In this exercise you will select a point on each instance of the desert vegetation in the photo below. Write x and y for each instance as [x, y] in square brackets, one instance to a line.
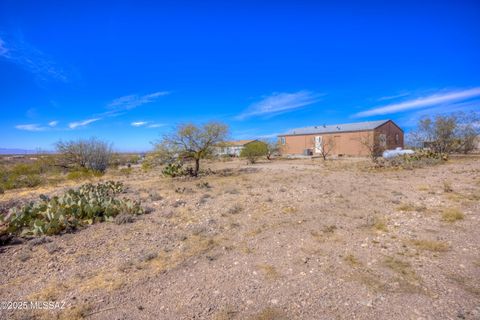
[260, 236]
[255, 150]
[216, 238]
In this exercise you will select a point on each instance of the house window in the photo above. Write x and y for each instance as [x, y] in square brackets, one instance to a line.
[397, 138]
[382, 138]
[282, 140]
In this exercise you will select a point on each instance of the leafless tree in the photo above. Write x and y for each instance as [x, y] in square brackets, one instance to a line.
[273, 147]
[90, 154]
[328, 144]
[372, 142]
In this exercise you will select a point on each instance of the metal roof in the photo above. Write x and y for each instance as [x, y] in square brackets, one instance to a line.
[345, 127]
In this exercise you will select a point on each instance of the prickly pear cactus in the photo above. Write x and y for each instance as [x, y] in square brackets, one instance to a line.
[90, 203]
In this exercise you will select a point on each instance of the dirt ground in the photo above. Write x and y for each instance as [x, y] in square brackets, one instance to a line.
[288, 239]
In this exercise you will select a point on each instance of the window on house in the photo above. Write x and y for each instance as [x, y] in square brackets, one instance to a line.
[382, 138]
[397, 138]
[282, 140]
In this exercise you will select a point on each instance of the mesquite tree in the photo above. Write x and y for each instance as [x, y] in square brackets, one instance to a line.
[189, 141]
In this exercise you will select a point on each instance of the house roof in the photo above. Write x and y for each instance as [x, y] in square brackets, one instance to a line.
[238, 142]
[345, 127]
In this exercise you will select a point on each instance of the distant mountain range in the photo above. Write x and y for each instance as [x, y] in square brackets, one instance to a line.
[21, 151]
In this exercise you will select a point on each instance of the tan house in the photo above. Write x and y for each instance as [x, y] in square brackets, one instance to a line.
[350, 139]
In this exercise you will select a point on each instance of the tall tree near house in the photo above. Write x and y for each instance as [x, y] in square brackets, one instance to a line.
[273, 147]
[373, 144]
[328, 144]
[189, 141]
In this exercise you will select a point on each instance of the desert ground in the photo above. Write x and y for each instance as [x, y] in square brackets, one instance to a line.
[286, 239]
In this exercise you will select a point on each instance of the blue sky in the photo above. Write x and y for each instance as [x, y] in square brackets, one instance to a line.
[128, 71]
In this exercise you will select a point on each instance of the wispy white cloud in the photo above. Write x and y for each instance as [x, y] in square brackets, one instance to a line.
[155, 125]
[74, 125]
[18, 51]
[138, 123]
[277, 103]
[146, 124]
[133, 101]
[30, 127]
[422, 102]
[36, 127]
[3, 48]
[120, 105]
[400, 95]
[411, 119]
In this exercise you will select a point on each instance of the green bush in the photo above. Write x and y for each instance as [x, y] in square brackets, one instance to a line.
[23, 175]
[254, 150]
[86, 205]
[83, 174]
[20, 176]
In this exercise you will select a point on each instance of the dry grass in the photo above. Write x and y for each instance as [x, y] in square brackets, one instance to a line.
[76, 312]
[452, 215]
[289, 209]
[469, 285]
[410, 207]
[352, 260]
[370, 280]
[380, 224]
[269, 271]
[324, 231]
[467, 197]
[402, 268]
[193, 246]
[423, 187]
[227, 313]
[269, 314]
[406, 207]
[431, 245]
[447, 187]
[105, 281]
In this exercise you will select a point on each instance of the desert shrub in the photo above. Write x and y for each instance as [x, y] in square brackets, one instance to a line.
[204, 185]
[135, 159]
[421, 158]
[147, 165]
[452, 215]
[83, 174]
[126, 171]
[123, 218]
[236, 208]
[254, 150]
[26, 169]
[447, 187]
[92, 154]
[23, 175]
[88, 204]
